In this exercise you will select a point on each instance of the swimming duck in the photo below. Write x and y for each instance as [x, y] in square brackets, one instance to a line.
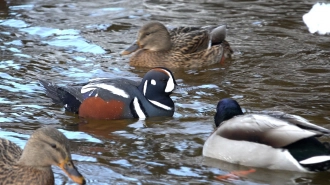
[181, 47]
[118, 98]
[277, 141]
[47, 146]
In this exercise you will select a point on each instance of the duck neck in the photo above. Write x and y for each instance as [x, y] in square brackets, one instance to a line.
[161, 100]
[33, 157]
[164, 102]
[166, 45]
[162, 44]
[222, 116]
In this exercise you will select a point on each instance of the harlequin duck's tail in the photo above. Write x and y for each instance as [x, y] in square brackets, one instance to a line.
[64, 96]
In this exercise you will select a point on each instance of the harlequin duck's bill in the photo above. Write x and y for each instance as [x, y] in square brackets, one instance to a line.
[272, 140]
[132, 48]
[118, 98]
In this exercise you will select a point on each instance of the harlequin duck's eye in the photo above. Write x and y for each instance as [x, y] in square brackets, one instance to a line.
[153, 82]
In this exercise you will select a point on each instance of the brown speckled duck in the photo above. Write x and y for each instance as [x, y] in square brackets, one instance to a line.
[47, 146]
[181, 47]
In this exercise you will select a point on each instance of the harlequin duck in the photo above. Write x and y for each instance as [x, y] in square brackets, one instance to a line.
[118, 98]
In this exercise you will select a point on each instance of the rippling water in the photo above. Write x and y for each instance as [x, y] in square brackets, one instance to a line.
[277, 65]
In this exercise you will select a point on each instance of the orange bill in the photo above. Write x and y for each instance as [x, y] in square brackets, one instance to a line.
[68, 167]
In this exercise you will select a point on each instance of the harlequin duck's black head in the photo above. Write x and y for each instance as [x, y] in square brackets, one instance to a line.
[157, 84]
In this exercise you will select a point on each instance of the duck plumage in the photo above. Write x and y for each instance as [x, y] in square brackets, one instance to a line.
[277, 141]
[181, 47]
[46, 146]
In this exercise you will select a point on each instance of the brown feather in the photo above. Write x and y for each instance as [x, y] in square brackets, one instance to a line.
[39, 154]
[182, 47]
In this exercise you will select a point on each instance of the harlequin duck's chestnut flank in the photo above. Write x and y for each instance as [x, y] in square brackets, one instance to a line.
[181, 47]
[118, 98]
[47, 146]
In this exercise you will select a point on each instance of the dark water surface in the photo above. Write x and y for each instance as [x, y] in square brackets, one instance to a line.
[277, 65]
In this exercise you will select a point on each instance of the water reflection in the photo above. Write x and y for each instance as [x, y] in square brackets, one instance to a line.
[277, 65]
[3, 9]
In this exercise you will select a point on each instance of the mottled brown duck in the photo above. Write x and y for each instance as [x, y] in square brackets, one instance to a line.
[181, 47]
[47, 146]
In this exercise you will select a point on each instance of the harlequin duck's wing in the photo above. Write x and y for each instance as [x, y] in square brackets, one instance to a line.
[115, 80]
[107, 90]
[69, 96]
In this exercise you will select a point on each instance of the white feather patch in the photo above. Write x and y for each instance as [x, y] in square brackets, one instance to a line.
[160, 105]
[316, 159]
[153, 82]
[170, 83]
[145, 87]
[210, 44]
[138, 109]
[111, 88]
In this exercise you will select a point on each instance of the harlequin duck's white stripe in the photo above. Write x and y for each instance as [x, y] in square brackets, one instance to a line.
[145, 87]
[316, 159]
[97, 79]
[170, 83]
[153, 82]
[110, 88]
[88, 89]
[160, 105]
[138, 109]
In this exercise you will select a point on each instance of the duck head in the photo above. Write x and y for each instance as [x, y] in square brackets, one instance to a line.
[226, 109]
[47, 146]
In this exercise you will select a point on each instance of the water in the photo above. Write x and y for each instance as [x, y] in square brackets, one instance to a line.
[277, 65]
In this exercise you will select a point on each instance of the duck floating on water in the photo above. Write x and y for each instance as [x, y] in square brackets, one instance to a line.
[278, 141]
[118, 98]
[181, 47]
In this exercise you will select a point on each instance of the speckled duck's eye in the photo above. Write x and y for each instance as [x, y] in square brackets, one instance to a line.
[53, 146]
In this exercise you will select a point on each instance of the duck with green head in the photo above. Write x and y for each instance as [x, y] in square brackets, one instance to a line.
[47, 146]
[276, 141]
[181, 47]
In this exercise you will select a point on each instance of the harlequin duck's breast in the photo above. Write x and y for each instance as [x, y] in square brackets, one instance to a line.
[153, 110]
